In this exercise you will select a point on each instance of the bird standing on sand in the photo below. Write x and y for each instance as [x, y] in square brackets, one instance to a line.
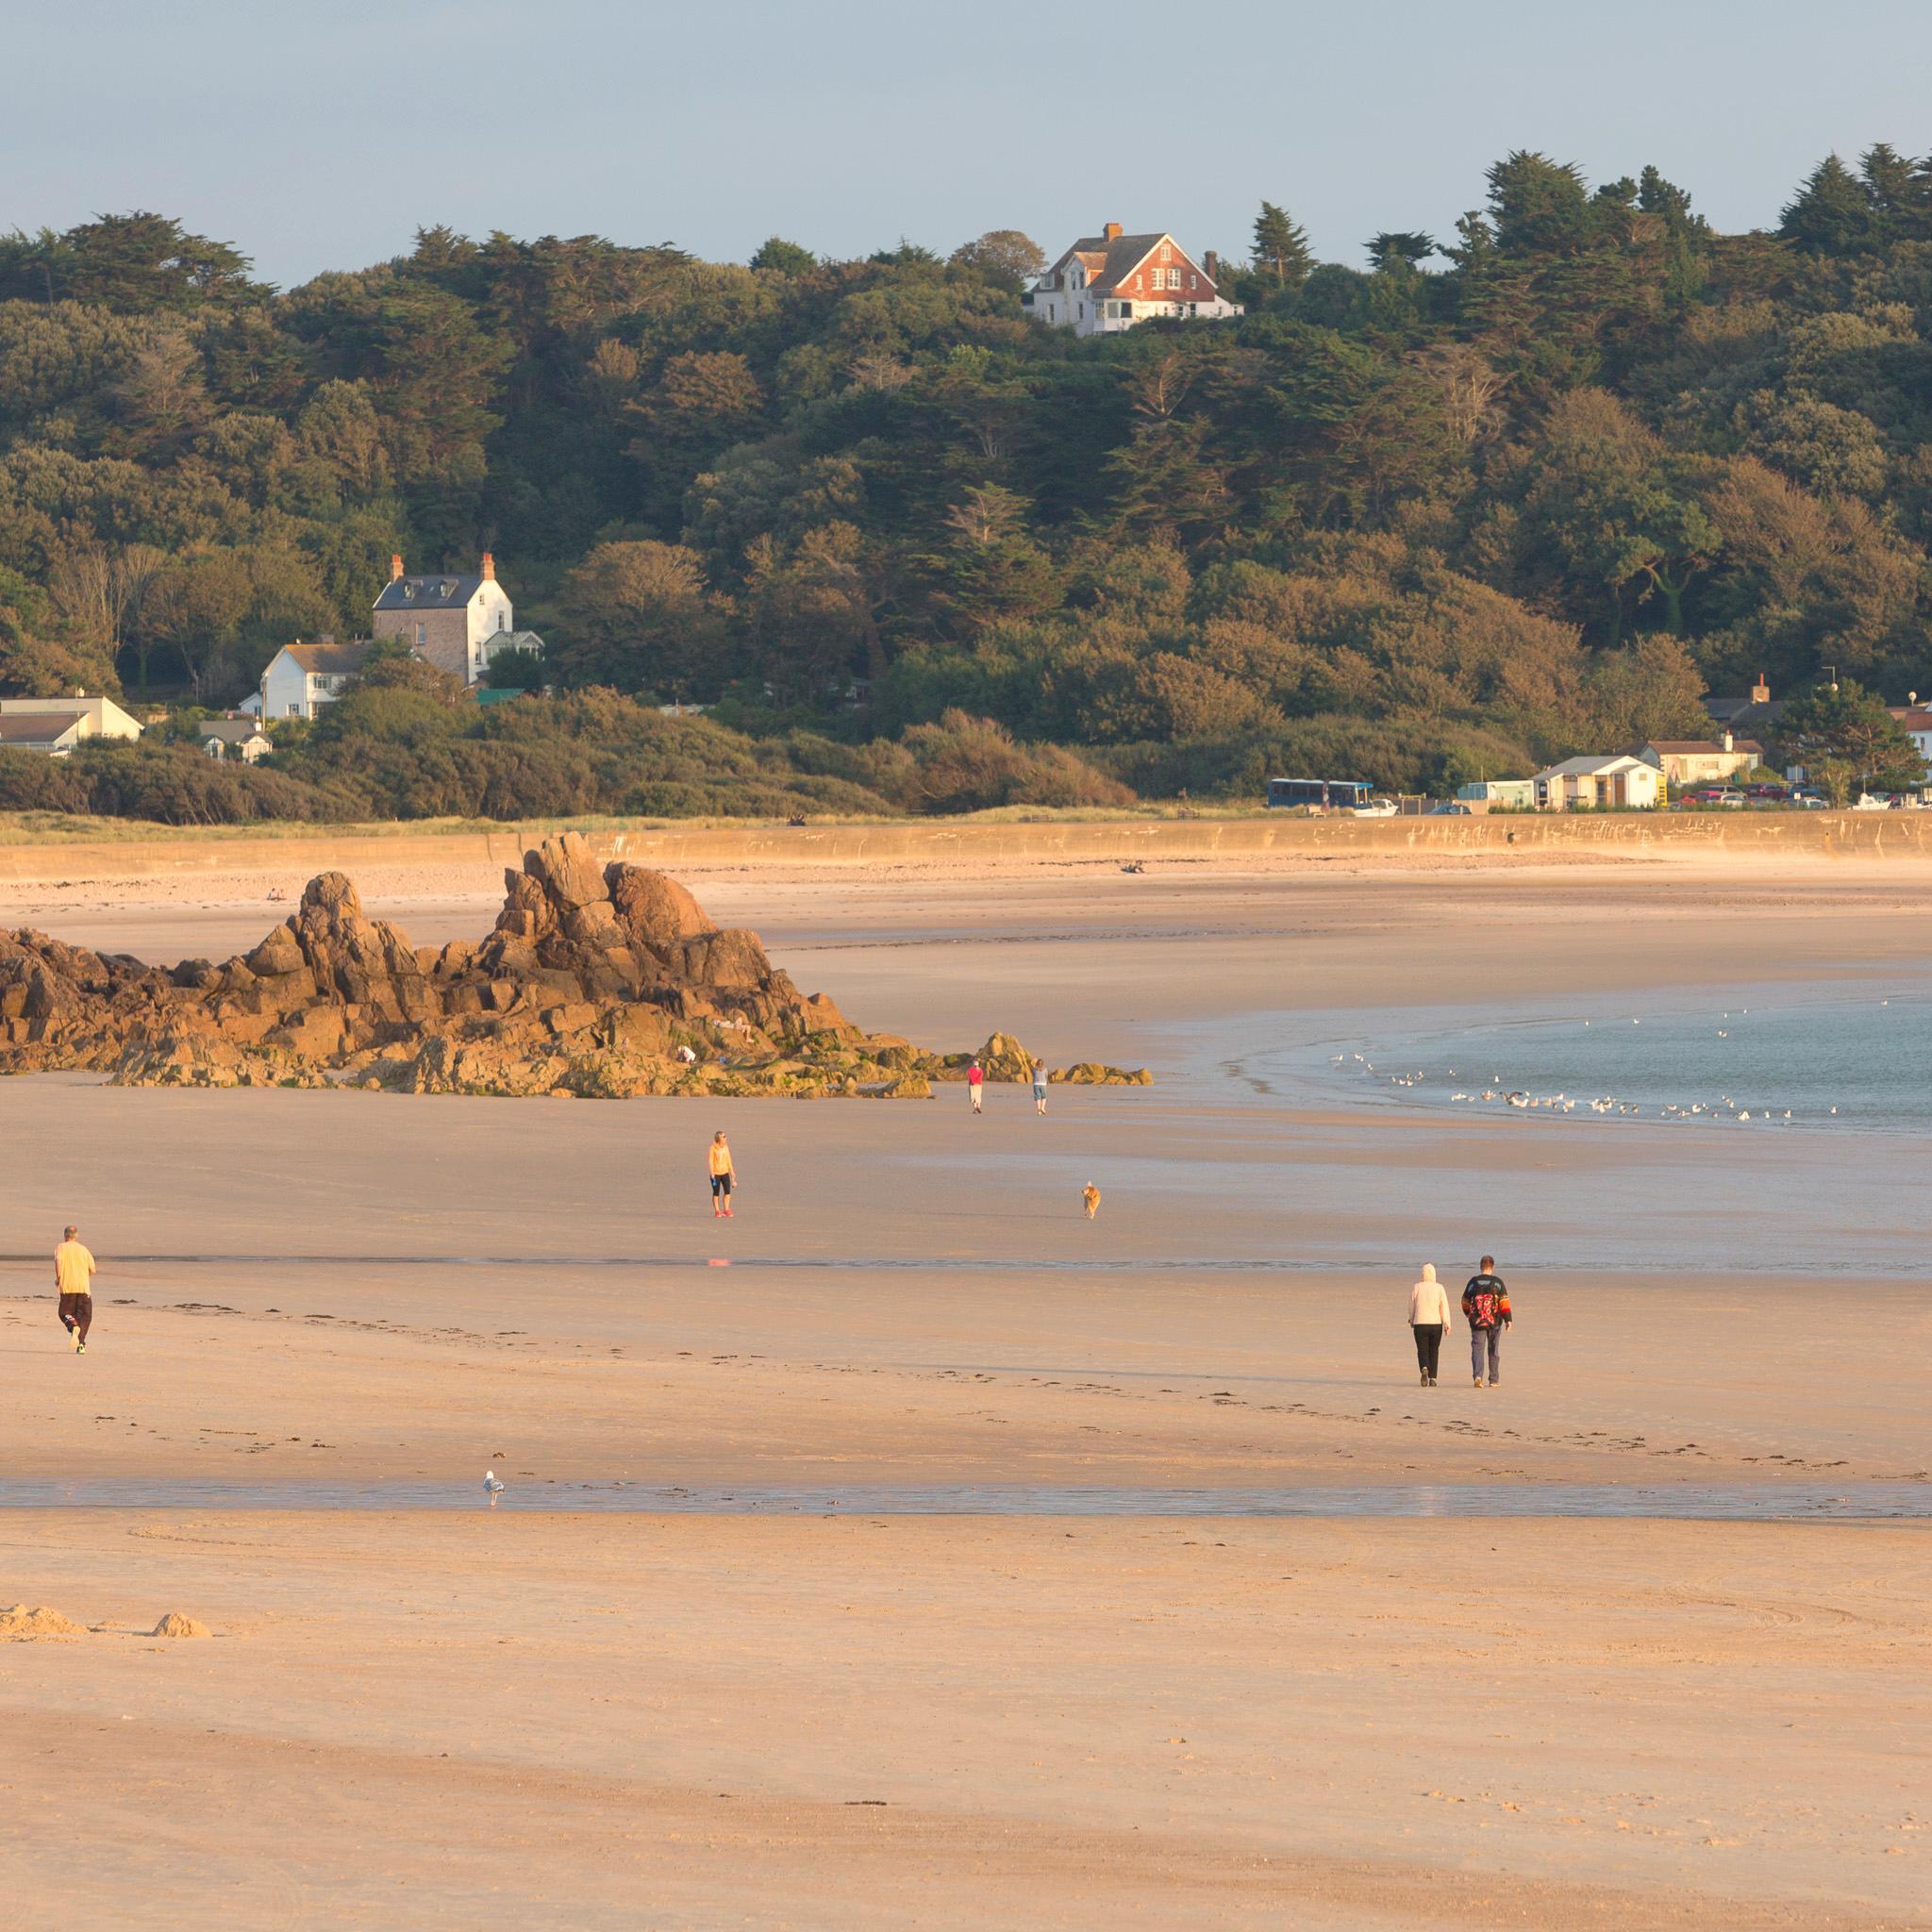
[1090, 1195]
[493, 1486]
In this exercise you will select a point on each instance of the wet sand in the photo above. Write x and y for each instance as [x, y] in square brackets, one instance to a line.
[463, 1716]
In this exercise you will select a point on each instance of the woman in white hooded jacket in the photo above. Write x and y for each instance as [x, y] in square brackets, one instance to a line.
[1428, 1319]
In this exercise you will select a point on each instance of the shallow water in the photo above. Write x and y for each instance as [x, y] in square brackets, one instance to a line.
[1701, 1502]
[1804, 1062]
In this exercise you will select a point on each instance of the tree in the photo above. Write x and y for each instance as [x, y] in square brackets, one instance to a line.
[993, 568]
[1846, 721]
[1281, 247]
[1831, 214]
[1397, 248]
[133, 263]
[1002, 254]
[784, 257]
[636, 616]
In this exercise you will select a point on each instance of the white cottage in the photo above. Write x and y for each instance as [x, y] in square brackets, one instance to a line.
[1598, 784]
[302, 678]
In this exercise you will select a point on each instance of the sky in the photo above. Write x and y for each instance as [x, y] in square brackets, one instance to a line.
[321, 137]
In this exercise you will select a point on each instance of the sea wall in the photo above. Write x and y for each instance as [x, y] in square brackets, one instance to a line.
[122, 851]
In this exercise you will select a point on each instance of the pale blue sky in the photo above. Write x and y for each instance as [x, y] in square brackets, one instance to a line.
[321, 136]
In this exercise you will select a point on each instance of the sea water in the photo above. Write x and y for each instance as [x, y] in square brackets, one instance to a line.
[1820, 1062]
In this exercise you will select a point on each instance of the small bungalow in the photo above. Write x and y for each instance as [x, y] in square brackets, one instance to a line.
[1498, 794]
[1599, 784]
[235, 738]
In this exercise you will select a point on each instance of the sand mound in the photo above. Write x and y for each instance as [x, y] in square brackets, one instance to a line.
[175, 1625]
[23, 1623]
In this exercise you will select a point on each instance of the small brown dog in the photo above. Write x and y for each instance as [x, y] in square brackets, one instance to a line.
[1090, 1194]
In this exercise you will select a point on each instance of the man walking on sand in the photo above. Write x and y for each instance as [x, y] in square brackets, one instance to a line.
[1486, 1308]
[1040, 1086]
[724, 1175]
[74, 1273]
[975, 1083]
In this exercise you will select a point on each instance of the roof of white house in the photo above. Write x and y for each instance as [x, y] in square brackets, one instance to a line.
[1701, 747]
[330, 659]
[1594, 767]
[38, 727]
[444, 591]
[231, 730]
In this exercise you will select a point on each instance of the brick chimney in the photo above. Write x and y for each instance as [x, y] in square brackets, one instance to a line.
[396, 569]
[1760, 691]
[1112, 231]
[488, 568]
[1210, 261]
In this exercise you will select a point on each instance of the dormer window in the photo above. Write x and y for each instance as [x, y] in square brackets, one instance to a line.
[408, 590]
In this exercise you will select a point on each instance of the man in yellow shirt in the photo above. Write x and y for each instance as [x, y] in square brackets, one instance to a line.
[74, 1281]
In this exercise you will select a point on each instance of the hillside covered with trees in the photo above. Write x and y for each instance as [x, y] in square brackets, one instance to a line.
[1507, 494]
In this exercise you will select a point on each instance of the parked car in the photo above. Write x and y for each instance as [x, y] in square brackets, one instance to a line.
[1453, 809]
[1376, 808]
[1775, 792]
[1807, 801]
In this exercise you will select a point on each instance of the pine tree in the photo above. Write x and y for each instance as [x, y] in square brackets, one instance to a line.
[1281, 247]
[1832, 213]
[1397, 248]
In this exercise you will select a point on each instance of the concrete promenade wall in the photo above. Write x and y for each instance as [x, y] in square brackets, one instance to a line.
[77, 853]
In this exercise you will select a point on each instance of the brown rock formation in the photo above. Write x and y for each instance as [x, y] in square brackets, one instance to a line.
[597, 983]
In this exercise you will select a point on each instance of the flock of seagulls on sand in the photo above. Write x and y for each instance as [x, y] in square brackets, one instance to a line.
[1725, 1108]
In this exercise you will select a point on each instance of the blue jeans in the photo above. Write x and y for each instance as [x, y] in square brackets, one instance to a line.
[1485, 1342]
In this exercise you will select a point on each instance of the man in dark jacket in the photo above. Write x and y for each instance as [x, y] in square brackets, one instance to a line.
[1486, 1308]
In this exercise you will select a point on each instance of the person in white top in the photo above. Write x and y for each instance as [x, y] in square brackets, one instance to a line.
[1428, 1319]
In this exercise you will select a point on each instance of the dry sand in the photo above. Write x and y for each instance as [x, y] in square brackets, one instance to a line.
[459, 1716]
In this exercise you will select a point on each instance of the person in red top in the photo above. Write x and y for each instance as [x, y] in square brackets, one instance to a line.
[975, 1083]
[1486, 1308]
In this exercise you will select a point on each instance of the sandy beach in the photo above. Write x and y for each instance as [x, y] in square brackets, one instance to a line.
[912, 1550]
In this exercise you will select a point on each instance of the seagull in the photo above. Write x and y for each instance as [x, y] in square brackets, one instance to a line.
[1721, 1033]
[491, 1483]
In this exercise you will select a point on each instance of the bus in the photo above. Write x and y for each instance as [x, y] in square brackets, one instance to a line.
[1319, 794]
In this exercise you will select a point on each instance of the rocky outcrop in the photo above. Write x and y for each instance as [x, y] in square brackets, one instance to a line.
[594, 983]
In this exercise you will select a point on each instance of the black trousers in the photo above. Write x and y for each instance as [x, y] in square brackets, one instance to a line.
[1429, 1345]
[77, 1313]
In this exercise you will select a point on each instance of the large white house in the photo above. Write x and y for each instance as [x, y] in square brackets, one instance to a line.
[452, 620]
[1107, 282]
[56, 725]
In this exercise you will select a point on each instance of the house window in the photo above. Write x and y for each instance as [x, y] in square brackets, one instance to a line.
[422, 635]
[502, 618]
[1166, 253]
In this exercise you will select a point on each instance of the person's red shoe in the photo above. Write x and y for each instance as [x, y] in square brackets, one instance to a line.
[727, 1214]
